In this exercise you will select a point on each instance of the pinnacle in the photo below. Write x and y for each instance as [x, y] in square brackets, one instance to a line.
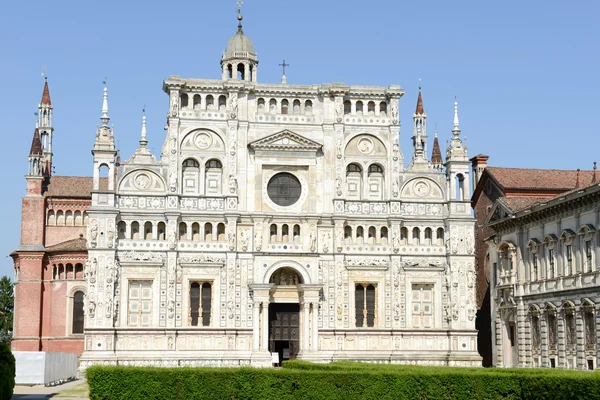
[36, 144]
[46, 95]
[420, 110]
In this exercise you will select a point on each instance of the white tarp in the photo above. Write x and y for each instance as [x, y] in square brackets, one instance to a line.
[44, 368]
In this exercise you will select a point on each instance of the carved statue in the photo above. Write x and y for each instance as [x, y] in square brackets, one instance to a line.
[338, 185]
[174, 104]
[326, 241]
[394, 111]
[339, 148]
[111, 237]
[91, 305]
[173, 181]
[313, 241]
[244, 239]
[396, 241]
[233, 185]
[233, 104]
[395, 188]
[172, 240]
[173, 145]
[89, 272]
[109, 308]
[339, 109]
[231, 238]
[93, 233]
[258, 239]
[395, 151]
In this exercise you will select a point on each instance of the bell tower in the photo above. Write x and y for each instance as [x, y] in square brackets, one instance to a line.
[239, 60]
[45, 128]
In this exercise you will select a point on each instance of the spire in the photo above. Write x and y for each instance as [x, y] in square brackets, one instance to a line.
[46, 93]
[105, 118]
[594, 179]
[240, 30]
[143, 141]
[577, 183]
[420, 133]
[36, 143]
[456, 130]
[419, 110]
[436, 153]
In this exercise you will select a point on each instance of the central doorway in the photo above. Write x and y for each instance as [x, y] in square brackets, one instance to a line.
[284, 330]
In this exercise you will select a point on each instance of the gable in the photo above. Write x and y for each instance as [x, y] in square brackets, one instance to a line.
[498, 212]
[285, 141]
[142, 181]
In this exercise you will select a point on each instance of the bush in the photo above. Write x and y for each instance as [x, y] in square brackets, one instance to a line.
[340, 380]
[7, 372]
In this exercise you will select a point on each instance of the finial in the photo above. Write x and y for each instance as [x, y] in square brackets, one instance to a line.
[577, 181]
[105, 118]
[240, 17]
[420, 86]
[594, 179]
[44, 73]
[435, 130]
[456, 130]
[143, 142]
[283, 78]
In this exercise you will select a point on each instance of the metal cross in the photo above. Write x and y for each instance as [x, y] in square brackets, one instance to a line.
[104, 81]
[144, 109]
[284, 65]
[44, 73]
[239, 4]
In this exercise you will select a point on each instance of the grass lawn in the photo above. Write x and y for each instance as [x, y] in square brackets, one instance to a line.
[79, 391]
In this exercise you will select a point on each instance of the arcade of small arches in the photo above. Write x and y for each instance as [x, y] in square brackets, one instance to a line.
[202, 102]
[141, 230]
[284, 106]
[360, 108]
[242, 71]
[280, 233]
[66, 218]
[67, 271]
[355, 234]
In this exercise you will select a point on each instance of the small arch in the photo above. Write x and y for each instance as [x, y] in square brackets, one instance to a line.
[148, 231]
[404, 236]
[184, 100]
[460, 187]
[162, 231]
[285, 106]
[241, 72]
[78, 218]
[347, 107]
[285, 233]
[182, 231]
[273, 233]
[416, 236]
[60, 218]
[222, 103]
[69, 271]
[221, 232]
[61, 271]
[308, 107]
[51, 218]
[195, 232]
[286, 276]
[69, 218]
[78, 271]
[348, 234]
[383, 109]
[359, 108]
[208, 233]
[372, 235]
[210, 102]
[272, 106]
[135, 230]
[261, 105]
[229, 71]
[371, 108]
[360, 235]
[197, 102]
[214, 177]
[121, 229]
[296, 233]
[296, 107]
[354, 182]
[86, 219]
[384, 235]
[439, 236]
[428, 236]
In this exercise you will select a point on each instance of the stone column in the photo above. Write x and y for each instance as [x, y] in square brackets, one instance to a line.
[256, 327]
[521, 335]
[265, 326]
[562, 341]
[544, 342]
[315, 326]
[127, 230]
[580, 345]
[305, 325]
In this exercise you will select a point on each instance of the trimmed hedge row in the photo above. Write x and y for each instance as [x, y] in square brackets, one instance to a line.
[339, 381]
[7, 372]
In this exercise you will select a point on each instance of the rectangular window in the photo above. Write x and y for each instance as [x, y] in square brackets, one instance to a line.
[78, 316]
[569, 257]
[422, 306]
[534, 265]
[140, 303]
[589, 259]
[512, 333]
[552, 331]
[551, 263]
[200, 303]
[364, 303]
[535, 332]
[495, 268]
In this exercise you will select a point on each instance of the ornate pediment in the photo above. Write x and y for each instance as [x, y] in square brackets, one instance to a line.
[285, 141]
[498, 213]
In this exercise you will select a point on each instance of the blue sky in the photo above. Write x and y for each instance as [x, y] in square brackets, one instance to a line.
[525, 72]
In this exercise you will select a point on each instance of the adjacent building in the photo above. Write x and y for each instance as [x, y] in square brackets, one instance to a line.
[279, 219]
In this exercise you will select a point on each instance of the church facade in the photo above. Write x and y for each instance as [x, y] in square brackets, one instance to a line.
[278, 220]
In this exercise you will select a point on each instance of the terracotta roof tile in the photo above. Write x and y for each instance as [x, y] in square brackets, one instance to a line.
[36, 144]
[46, 95]
[436, 154]
[518, 203]
[419, 110]
[78, 244]
[538, 179]
[72, 186]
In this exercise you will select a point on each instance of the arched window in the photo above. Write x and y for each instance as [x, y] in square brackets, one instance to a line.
[383, 109]
[78, 218]
[371, 108]
[197, 102]
[241, 72]
[460, 187]
[261, 105]
[360, 235]
[214, 176]
[229, 71]
[552, 327]
[148, 231]
[428, 236]
[184, 100]
[589, 324]
[208, 232]
[195, 232]
[69, 218]
[51, 218]
[285, 233]
[61, 271]
[221, 232]
[222, 103]
[296, 107]
[162, 229]
[440, 236]
[60, 218]
[372, 235]
[354, 182]
[272, 106]
[200, 303]
[347, 107]
[191, 176]
[78, 317]
[273, 233]
[285, 106]
[210, 102]
[404, 235]
[296, 233]
[384, 235]
[364, 305]
[135, 230]
[375, 182]
[182, 231]
[536, 337]
[348, 234]
[308, 107]
[570, 330]
[416, 236]
[359, 108]
[78, 271]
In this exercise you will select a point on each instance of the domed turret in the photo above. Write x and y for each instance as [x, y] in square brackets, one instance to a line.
[239, 60]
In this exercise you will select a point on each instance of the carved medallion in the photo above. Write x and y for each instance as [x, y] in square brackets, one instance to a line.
[203, 140]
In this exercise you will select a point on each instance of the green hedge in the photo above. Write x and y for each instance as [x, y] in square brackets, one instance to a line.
[299, 380]
[7, 372]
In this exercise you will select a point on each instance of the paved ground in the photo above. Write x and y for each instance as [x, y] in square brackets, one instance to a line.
[40, 392]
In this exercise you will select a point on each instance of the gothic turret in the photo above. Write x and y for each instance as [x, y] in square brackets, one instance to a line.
[420, 130]
[457, 164]
[142, 155]
[436, 154]
[35, 154]
[46, 129]
[239, 61]
[104, 149]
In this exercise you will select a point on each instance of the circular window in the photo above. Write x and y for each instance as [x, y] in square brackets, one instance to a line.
[284, 189]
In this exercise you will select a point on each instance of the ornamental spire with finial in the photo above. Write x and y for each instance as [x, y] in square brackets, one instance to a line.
[240, 17]
[456, 130]
[105, 118]
[143, 141]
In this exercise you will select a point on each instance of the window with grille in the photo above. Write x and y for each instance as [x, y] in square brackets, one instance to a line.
[364, 298]
[534, 266]
[78, 317]
[590, 326]
[200, 303]
[140, 303]
[535, 332]
[569, 258]
[422, 306]
[589, 258]
[284, 189]
[552, 331]
[570, 333]
[551, 263]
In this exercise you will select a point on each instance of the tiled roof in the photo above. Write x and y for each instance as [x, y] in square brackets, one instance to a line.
[46, 95]
[436, 154]
[419, 110]
[36, 144]
[72, 186]
[518, 203]
[78, 244]
[538, 179]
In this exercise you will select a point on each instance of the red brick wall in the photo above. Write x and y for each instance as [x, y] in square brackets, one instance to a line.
[59, 234]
